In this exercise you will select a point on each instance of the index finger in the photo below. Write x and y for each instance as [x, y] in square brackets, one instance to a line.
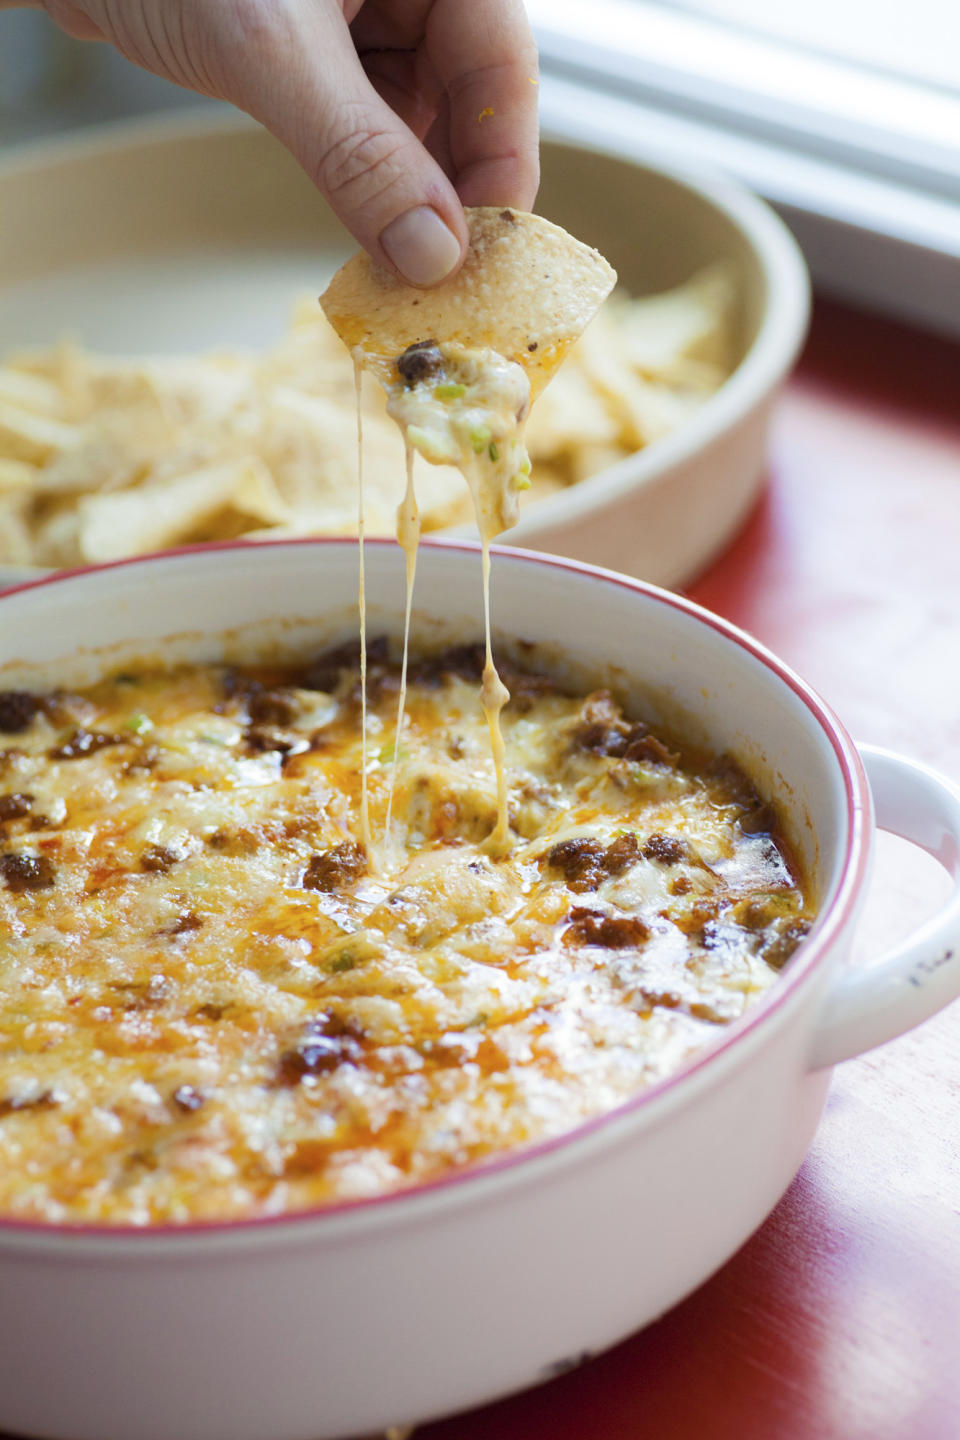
[485, 56]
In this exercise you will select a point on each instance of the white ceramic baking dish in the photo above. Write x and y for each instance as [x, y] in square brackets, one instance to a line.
[393, 1310]
[192, 232]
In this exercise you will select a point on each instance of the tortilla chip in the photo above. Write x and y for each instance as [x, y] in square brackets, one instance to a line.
[15, 528]
[693, 322]
[571, 414]
[29, 392]
[16, 475]
[527, 290]
[32, 438]
[170, 512]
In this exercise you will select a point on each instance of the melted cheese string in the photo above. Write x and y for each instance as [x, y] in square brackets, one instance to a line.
[494, 504]
[493, 696]
[408, 537]
[493, 693]
[357, 354]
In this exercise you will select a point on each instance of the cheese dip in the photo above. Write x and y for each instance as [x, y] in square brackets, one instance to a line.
[211, 1008]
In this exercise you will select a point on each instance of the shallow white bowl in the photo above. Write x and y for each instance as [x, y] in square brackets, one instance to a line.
[186, 233]
[399, 1309]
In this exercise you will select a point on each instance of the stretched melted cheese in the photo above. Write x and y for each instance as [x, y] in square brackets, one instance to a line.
[207, 1007]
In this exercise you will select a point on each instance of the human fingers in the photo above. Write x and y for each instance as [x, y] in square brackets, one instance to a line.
[293, 66]
[485, 56]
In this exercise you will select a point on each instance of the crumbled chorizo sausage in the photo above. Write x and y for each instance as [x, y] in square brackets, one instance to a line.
[273, 707]
[526, 687]
[613, 932]
[143, 759]
[263, 739]
[586, 863]
[325, 1044]
[328, 669]
[778, 949]
[601, 728]
[667, 849]
[420, 361]
[85, 742]
[237, 685]
[579, 861]
[647, 747]
[210, 1011]
[159, 858]
[757, 913]
[27, 872]
[17, 710]
[11, 1104]
[461, 662]
[186, 922]
[335, 867]
[188, 1098]
[756, 817]
[703, 910]
[621, 853]
[721, 935]
[14, 807]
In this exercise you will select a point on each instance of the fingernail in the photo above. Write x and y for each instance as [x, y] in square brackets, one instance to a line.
[421, 246]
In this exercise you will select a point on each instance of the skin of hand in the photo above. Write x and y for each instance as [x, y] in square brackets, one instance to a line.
[400, 111]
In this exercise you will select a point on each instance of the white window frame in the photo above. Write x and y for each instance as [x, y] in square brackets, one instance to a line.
[865, 166]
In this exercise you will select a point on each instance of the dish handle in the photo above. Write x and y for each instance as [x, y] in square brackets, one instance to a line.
[868, 1005]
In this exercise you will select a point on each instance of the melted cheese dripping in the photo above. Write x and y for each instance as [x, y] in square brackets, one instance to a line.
[357, 354]
[483, 438]
[408, 537]
[494, 695]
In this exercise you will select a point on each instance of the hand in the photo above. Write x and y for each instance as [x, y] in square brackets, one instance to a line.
[400, 111]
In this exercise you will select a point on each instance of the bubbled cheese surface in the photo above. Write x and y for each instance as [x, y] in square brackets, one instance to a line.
[211, 1007]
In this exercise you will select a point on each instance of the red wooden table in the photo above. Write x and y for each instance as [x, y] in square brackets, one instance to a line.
[840, 1319]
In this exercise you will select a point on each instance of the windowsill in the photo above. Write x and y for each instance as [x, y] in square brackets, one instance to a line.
[868, 241]
[863, 166]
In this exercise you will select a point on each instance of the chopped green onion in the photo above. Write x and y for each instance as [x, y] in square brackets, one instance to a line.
[521, 482]
[341, 963]
[139, 723]
[388, 753]
[492, 450]
[480, 439]
[525, 466]
[449, 390]
[431, 445]
[643, 774]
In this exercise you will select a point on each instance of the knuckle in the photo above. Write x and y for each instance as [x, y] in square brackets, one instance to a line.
[487, 77]
[360, 164]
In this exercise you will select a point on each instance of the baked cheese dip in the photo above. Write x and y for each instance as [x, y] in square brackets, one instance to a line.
[214, 1004]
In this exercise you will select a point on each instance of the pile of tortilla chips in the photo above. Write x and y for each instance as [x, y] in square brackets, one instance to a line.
[101, 458]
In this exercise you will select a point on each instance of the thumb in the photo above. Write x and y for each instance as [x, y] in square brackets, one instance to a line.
[308, 87]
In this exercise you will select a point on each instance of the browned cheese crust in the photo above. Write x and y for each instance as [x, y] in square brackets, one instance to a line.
[211, 1006]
